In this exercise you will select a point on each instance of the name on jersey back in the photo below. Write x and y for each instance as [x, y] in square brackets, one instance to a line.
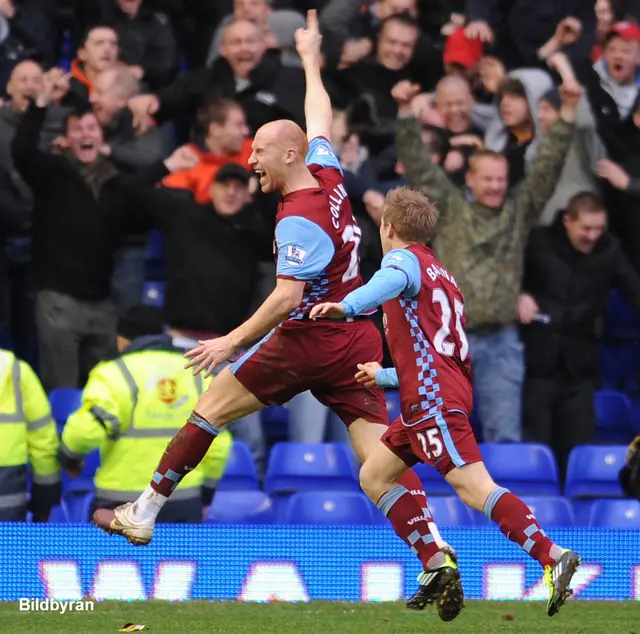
[336, 197]
[434, 271]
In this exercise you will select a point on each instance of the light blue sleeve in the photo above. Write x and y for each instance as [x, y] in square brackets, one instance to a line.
[399, 275]
[304, 249]
[407, 262]
[321, 153]
[387, 377]
[386, 284]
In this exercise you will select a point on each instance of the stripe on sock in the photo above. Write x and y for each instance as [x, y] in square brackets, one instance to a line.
[198, 421]
[390, 498]
[492, 500]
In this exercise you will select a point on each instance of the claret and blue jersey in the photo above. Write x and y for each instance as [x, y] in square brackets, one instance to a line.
[424, 326]
[316, 236]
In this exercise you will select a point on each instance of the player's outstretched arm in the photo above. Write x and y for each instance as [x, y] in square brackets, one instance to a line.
[386, 284]
[399, 275]
[285, 298]
[317, 104]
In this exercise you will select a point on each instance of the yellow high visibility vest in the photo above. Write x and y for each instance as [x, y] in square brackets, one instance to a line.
[132, 407]
[28, 433]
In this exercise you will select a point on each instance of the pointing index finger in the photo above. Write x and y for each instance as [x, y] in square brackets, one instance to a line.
[312, 20]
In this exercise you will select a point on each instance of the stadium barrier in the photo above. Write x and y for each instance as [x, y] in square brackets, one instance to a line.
[292, 563]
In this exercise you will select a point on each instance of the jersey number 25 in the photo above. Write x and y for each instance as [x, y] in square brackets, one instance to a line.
[440, 343]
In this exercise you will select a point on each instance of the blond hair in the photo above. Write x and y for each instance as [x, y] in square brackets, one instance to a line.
[413, 216]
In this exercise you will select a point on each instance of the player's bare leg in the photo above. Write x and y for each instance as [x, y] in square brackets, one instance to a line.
[440, 581]
[365, 438]
[226, 400]
[477, 489]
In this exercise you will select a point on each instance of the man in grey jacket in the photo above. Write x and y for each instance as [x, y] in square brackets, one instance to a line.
[128, 150]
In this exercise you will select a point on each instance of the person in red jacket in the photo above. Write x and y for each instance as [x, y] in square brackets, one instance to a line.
[226, 140]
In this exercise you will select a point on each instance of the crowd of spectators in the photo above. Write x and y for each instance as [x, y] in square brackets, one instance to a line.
[520, 119]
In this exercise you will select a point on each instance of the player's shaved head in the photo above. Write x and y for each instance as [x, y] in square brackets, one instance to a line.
[279, 152]
[286, 134]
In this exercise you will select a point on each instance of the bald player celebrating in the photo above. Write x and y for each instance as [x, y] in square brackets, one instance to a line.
[316, 241]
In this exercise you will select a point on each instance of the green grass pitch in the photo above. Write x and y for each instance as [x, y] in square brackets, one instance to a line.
[327, 618]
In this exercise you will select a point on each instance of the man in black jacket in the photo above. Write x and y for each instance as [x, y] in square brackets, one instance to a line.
[246, 72]
[569, 269]
[145, 37]
[81, 205]
[212, 252]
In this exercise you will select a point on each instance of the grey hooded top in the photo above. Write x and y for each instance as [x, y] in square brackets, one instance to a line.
[536, 83]
[586, 149]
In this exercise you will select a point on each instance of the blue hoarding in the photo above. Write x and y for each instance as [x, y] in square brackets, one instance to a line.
[292, 563]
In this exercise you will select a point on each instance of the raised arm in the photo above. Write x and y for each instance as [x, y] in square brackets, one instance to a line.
[542, 177]
[414, 156]
[35, 166]
[317, 105]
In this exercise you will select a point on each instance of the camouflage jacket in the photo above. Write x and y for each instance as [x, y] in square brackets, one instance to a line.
[483, 248]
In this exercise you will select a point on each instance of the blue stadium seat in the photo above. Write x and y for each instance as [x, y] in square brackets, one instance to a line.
[58, 515]
[77, 506]
[616, 514]
[310, 467]
[240, 471]
[593, 471]
[551, 510]
[620, 321]
[84, 482]
[450, 511]
[433, 482]
[241, 507]
[582, 510]
[613, 416]
[523, 468]
[153, 294]
[619, 366]
[64, 401]
[393, 403]
[275, 421]
[328, 507]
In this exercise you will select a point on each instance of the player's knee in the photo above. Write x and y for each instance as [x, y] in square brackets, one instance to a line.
[370, 483]
[472, 483]
[226, 400]
[213, 411]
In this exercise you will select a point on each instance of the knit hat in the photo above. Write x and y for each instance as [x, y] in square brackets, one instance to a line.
[552, 97]
[140, 320]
